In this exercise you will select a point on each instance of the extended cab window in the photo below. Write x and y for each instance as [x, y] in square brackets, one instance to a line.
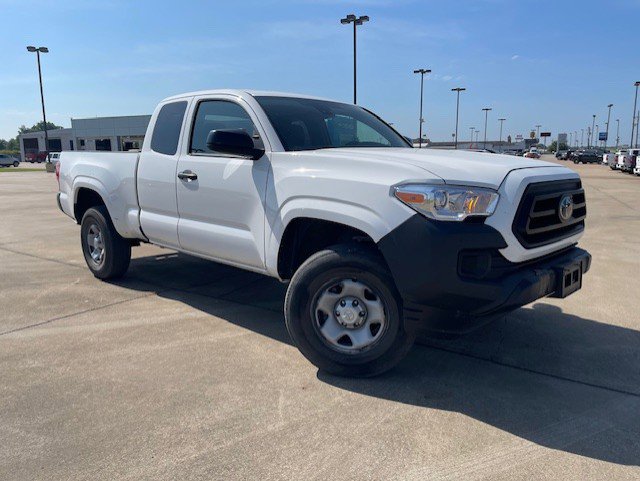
[218, 115]
[166, 131]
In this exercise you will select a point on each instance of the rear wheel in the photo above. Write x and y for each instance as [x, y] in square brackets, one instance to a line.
[16, 163]
[343, 312]
[106, 252]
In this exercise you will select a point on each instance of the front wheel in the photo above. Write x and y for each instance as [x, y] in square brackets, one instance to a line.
[343, 312]
[16, 163]
[106, 252]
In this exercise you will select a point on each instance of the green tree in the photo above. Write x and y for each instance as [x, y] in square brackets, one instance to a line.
[38, 127]
[553, 145]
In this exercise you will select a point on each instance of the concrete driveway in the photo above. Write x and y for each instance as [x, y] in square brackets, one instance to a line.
[184, 370]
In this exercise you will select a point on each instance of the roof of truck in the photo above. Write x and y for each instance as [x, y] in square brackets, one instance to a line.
[244, 93]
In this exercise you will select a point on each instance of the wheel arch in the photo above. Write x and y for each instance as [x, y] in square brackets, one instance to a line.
[304, 236]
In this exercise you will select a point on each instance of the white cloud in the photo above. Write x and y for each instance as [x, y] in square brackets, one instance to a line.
[515, 57]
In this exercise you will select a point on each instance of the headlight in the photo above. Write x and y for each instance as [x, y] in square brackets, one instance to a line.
[444, 202]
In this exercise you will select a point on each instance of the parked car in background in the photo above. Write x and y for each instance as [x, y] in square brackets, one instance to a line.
[586, 156]
[54, 157]
[563, 154]
[8, 161]
[376, 239]
[636, 170]
[607, 157]
[627, 161]
[533, 153]
[38, 157]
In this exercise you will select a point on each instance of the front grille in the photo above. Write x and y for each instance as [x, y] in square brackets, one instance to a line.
[537, 220]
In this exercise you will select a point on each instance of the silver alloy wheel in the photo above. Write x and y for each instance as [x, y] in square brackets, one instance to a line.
[95, 244]
[349, 316]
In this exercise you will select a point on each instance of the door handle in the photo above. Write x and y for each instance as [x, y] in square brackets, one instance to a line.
[187, 175]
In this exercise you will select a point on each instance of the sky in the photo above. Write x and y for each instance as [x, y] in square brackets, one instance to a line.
[553, 63]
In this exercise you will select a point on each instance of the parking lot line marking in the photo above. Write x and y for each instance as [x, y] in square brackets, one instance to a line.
[13, 251]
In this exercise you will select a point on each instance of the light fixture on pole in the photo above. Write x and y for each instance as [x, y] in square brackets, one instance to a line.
[501, 122]
[421, 71]
[606, 137]
[457, 90]
[38, 51]
[486, 116]
[351, 18]
[635, 102]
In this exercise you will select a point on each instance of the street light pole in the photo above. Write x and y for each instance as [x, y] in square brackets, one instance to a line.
[421, 71]
[472, 132]
[590, 137]
[457, 90]
[596, 136]
[351, 18]
[582, 138]
[486, 116]
[617, 133]
[44, 115]
[538, 132]
[608, 119]
[635, 102]
[501, 122]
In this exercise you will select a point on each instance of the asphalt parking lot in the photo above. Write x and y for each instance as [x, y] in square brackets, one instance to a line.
[184, 370]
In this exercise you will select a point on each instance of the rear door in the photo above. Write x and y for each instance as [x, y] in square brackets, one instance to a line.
[222, 211]
[156, 177]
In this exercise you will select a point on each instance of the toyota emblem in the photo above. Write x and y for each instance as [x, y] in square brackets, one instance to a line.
[565, 209]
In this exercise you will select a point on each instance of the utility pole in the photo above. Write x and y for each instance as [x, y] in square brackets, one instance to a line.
[501, 122]
[351, 18]
[44, 115]
[421, 71]
[457, 90]
[608, 118]
[486, 116]
[635, 103]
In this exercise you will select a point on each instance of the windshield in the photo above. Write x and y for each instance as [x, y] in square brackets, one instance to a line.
[309, 124]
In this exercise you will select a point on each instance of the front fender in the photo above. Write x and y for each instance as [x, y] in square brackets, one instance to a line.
[353, 215]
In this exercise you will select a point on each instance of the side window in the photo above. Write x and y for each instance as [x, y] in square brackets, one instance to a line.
[218, 115]
[166, 131]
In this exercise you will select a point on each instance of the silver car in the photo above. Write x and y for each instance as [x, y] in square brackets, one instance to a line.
[8, 161]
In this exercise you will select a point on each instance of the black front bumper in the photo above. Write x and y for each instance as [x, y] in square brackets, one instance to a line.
[452, 277]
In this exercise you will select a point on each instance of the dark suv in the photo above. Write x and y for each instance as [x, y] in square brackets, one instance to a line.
[586, 157]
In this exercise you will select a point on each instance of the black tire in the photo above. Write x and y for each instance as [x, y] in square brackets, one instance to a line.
[16, 163]
[116, 252]
[316, 275]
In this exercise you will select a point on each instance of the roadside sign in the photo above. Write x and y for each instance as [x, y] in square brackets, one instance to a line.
[519, 138]
[532, 135]
[602, 136]
[545, 134]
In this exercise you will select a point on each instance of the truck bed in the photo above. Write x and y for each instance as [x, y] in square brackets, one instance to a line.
[113, 176]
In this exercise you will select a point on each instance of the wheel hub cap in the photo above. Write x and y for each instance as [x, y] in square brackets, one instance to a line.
[350, 312]
[95, 243]
[349, 316]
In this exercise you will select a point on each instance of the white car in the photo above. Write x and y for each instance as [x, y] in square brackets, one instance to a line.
[377, 240]
[54, 157]
[8, 161]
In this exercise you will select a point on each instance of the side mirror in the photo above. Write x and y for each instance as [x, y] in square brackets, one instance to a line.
[233, 141]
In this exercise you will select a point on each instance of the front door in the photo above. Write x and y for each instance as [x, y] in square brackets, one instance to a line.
[221, 196]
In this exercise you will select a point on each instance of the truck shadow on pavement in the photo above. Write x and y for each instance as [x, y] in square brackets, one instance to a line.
[553, 379]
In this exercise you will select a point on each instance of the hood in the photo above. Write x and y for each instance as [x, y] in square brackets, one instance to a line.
[453, 166]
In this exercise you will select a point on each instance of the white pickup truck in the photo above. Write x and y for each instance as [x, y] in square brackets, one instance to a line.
[377, 240]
